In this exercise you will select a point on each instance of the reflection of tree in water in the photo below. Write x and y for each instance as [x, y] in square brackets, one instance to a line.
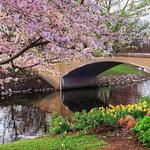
[17, 121]
[126, 95]
[122, 95]
[144, 88]
[80, 104]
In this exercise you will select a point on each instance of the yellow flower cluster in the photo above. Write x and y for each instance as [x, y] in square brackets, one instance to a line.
[116, 110]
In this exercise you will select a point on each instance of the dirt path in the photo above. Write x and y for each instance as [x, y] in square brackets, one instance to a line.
[122, 140]
[117, 143]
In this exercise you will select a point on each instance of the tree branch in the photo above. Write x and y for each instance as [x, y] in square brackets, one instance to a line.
[109, 6]
[82, 1]
[31, 45]
[41, 43]
[125, 5]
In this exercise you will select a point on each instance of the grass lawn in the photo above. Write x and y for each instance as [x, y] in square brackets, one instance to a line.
[73, 142]
[123, 69]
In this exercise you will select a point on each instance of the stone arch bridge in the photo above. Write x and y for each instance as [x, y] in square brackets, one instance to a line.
[80, 74]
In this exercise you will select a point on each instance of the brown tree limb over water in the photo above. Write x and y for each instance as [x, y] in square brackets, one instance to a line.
[31, 45]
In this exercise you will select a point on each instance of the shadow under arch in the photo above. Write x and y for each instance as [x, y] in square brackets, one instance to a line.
[86, 76]
[83, 99]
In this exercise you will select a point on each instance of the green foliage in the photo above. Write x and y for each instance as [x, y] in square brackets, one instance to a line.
[142, 125]
[146, 99]
[117, 27]
[142, 128]
[98, 36]
[145, 138]
[73, 142]
[124, 13]
[109, 115]
[84, 121]
[100, 53]
[59, 124]
[108, 24]
[10, 34]
[114, 28]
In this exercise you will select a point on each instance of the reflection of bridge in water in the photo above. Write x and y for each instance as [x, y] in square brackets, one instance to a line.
[82, 74]
[66, 102]
[52, 103]
[69, 101]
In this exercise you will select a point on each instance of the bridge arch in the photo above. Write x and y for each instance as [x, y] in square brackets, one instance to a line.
[79, 74]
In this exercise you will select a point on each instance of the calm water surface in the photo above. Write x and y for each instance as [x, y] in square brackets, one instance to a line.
[27, 117]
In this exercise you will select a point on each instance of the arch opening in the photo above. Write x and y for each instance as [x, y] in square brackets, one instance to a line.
[86, 76]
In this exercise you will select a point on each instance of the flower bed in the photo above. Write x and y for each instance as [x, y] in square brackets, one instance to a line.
[110, 116]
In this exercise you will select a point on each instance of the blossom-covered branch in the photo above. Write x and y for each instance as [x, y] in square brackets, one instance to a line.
[69, 30]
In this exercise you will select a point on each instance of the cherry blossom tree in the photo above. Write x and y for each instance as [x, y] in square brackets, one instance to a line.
[48, 31]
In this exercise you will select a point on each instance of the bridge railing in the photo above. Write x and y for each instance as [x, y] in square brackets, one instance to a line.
[135, 47]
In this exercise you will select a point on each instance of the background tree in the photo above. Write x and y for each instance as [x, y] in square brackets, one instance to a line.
[132, 11]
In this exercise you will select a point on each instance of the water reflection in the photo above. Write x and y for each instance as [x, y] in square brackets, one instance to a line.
[26, 117]
[144, 88]
[17, 122]
[78, 100]
[52, 103]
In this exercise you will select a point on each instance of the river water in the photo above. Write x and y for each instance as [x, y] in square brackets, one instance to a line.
[26, 117]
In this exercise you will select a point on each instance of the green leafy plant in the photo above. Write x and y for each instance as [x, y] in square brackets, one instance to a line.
[85, 120]
[59, 124]
[142, 128]
[147, 99]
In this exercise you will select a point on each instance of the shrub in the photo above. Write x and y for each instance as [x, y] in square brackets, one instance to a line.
[85, 121]
[142, 128]
[59, 124]
[109, 115]
[145, 99]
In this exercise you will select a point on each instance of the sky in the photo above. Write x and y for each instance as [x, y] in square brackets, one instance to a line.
[147, 18]
[123, 2]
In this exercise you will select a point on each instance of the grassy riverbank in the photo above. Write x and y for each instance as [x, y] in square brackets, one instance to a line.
[123, 69]
[72, 142]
